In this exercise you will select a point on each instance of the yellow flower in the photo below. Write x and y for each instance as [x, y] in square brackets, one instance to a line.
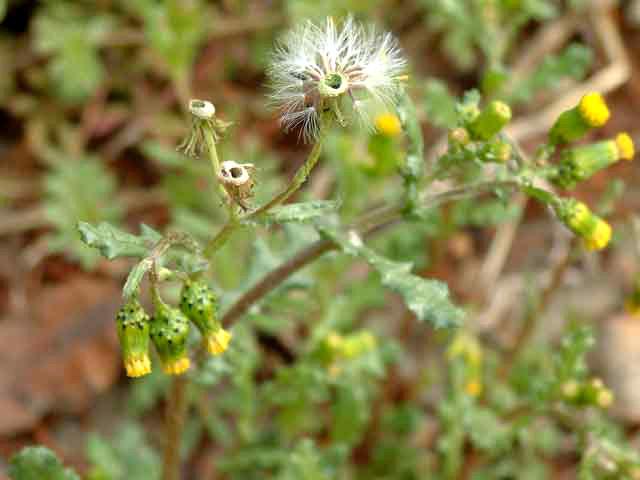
[473, 388]
[137, 365]
[177, 366]
[578, 217]
[604, 398]
[593, 109]
[570, 389]
[388, 124]
[625, 146]
[599, 236]
[218, 341]
[466, 346]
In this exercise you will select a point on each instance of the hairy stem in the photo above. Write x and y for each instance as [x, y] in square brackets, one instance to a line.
[176, 409]
[299, 178]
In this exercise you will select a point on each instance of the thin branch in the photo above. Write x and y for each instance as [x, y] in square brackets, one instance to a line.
[385, 218]
[176, 410]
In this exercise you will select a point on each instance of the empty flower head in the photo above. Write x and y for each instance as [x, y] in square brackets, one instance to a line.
[331, 68]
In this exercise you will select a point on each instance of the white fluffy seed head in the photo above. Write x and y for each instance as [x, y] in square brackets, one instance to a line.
[337, 66]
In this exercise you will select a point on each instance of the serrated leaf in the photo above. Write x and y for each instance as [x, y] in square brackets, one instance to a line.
[428, 299]
[38, 463]
[301, 212]
[113, 242]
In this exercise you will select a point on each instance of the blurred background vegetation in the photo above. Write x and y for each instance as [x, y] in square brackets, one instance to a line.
[330, 377]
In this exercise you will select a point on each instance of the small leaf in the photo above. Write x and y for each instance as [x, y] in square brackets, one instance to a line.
[113, 242]
[301, 212]
[38, 463]
[428, 299]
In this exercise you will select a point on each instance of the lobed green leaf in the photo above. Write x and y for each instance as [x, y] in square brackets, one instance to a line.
[428, 299]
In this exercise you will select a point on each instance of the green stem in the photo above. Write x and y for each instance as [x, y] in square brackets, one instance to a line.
[299, 178]
[220, 239]
[176, 410]
[234, 222]
[213, 158]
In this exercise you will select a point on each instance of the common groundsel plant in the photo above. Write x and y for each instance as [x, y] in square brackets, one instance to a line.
[338, 76]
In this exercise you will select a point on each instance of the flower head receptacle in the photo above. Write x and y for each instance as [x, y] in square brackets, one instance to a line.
[199, 304]
[237, 180]
[133, 333]
[169, 332]
[333, 69]
[591, 112]
[203, 122]
[594, 231]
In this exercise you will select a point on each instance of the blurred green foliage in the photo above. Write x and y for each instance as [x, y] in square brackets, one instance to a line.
[36, 463]
[320, 382]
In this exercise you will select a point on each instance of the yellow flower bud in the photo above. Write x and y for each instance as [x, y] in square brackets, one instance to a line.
[573, 124]
[473, 388]
[570, 389]
[580, 163]
[593, 109]
[594, 231]
[459, 136]
[626, 149]
[604, 398]
[137, 365]
[491, 120]
[599, 237]
[133, 332]
[176, 366]
[388, 124]
[217, 341]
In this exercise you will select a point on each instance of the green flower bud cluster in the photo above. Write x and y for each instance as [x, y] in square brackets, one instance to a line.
[490, 121]
[335, 349]
[168, 330]
[588, 393]
[477, 135]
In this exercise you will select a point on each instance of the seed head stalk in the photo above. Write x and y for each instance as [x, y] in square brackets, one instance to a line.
[215, 165]
[298, 180]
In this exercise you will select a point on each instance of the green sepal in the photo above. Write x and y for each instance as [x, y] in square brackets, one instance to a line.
[569, 127]
[580, 163]
[491, 120]
[133, 329]
[169, 331]
[200, 305]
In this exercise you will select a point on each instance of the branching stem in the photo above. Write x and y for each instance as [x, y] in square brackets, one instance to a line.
[234, 222]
